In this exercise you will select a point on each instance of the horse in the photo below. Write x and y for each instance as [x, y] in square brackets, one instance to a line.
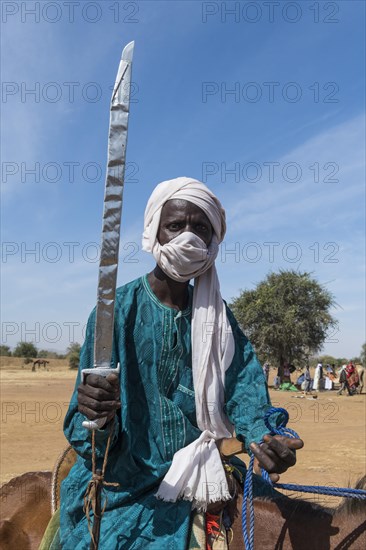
[40, 362]
[282, 523]
[25, 510]
[286, 523]
[28, 502]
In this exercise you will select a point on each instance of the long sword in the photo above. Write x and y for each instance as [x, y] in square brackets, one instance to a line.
[108, 265]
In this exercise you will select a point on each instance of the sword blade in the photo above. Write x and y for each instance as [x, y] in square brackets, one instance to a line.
[108, 266]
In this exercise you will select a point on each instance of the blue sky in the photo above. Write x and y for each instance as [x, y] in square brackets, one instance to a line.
[265, 103]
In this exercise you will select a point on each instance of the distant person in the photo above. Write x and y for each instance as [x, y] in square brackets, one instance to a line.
[343, 381]
[332, 373]
[286, 384]
[279, 378]
[352, 378]
[307, 384]
[266, 371]
[329, 378]
[286, 373]
[318, 376]
[300, 381]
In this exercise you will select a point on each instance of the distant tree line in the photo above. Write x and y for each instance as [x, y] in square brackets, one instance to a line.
[29, 352]
[287, 317]
[5, 351]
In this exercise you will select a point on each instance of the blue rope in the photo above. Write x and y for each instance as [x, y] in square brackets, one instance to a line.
[347, 492]
[248, 484]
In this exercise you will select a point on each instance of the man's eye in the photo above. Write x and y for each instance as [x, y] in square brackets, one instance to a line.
[174, 226]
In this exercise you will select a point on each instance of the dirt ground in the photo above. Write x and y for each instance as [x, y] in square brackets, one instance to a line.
[33, 405]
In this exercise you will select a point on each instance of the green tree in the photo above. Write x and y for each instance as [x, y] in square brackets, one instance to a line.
[327, 359]
[73, 355]
[286, 316]
[74, 347]
[5, 351]
[74, 360]
[25, 349]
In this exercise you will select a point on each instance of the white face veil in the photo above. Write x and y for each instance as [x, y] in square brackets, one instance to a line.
[184, 258]
[187, 189]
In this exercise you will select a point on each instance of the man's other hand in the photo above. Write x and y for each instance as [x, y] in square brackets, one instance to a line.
[275, 455]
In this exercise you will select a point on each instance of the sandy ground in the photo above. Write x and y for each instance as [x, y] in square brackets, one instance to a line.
[33, 405]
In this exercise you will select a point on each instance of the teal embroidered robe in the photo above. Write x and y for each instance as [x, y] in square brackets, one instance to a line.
[152, 343]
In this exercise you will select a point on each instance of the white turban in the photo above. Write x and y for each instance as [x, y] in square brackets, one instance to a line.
[187, 189]
[212, 341]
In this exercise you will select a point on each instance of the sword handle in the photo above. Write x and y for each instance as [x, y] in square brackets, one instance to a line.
[102, 371]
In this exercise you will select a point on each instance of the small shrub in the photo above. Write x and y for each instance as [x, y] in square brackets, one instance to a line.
[74, 360]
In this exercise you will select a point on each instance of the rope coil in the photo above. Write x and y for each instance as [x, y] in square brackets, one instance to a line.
[282, 429]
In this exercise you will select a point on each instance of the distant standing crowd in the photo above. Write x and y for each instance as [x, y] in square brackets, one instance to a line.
[324, 378]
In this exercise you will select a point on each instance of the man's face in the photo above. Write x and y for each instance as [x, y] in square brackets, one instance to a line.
[177, 216]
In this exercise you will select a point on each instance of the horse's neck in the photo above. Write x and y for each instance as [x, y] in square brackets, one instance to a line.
[290, 523]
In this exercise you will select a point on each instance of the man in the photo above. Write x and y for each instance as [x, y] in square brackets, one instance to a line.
[307, 380]
[189, 377]
[329, 377]
[279, 378]
[352, 378]
[318, 377]
[266, 368]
